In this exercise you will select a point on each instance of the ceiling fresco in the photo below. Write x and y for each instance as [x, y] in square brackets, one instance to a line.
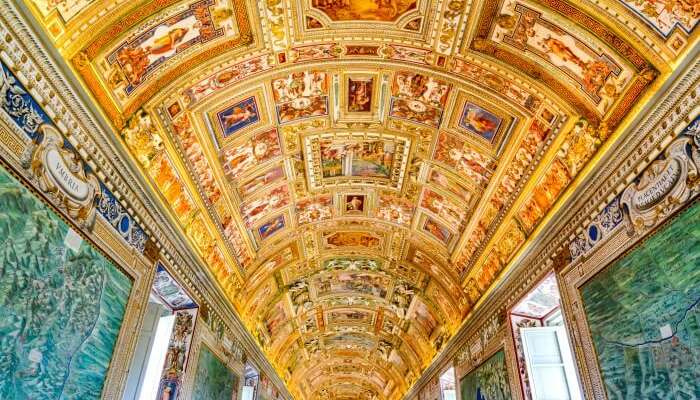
[357, 174]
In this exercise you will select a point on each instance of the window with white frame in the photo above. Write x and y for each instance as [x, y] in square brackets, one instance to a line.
[549, 363]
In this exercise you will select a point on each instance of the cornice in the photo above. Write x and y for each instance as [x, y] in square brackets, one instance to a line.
[54, 86]
[655, 126]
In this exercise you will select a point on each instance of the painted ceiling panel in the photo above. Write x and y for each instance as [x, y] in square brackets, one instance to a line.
[357, 174]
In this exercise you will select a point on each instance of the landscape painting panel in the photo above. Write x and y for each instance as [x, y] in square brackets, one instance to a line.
[62, 303]
[213, 379]
[644, 319]
[487, 381]
[363, 159]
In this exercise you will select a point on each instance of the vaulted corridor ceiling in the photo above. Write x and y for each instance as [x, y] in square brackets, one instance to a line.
[356, 174]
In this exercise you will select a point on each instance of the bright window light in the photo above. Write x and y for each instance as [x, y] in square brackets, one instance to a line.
[248, 392]
[154, 368]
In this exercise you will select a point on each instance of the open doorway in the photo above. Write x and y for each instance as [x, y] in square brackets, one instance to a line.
[163, 345]
[545, 360]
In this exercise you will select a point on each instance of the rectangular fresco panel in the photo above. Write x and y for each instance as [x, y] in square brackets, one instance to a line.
[644, 318]
[665, 17]
[369, 284]
[360, 94]
[259, 149]
[418, 98]
[213, 379]
[437, 230]
[301, 95]
[489, 381]
[372, 158]
[238, 116]
[61, 303]
[271, 227]
[479, 121]
[251, 185]
[365, 10]
[141, 55]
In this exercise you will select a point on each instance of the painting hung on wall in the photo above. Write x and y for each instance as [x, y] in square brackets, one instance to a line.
[62, 303]
[644, 318]
[213, 379]
[489, 381]
[238, 116]
[364, 10]
[479, 121]
[360, 94]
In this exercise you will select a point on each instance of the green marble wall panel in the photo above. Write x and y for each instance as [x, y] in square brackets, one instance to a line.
[644, 319]
[61, 303]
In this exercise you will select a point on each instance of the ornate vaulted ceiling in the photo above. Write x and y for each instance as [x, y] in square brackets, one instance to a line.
[357, 173]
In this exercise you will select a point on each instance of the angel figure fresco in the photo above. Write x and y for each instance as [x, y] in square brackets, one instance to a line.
[238, 116]
[136, 60]
[360, 95]
[594, 72]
